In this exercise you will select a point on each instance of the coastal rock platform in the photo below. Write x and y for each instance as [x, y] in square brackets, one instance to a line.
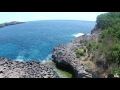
[31, 69]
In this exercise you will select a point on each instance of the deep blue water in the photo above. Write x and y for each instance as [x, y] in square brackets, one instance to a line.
[36, 40]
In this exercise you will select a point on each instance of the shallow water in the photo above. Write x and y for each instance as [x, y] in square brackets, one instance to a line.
[61, 73]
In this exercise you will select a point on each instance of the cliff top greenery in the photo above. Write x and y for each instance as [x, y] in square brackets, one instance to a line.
[107, 20]
[109, 41]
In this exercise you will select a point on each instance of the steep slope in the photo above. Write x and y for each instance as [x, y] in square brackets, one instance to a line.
[107, 55]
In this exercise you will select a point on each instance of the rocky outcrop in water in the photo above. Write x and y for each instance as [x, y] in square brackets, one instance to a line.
[32, 69]
[65, 58]
[10, 23]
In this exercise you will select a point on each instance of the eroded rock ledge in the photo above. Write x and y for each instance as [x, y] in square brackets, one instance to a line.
[65, 58]
[32, 69]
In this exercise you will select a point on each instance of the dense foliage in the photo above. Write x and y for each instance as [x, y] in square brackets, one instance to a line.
[109, 41]
[110, 36]
[108, 20]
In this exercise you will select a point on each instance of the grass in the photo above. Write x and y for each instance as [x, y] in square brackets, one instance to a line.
[85, 59]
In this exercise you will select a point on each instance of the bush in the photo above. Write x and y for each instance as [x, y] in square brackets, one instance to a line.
[89, 46]
[84, 50]
[115, 70]
[114, 54]
[92, 46]
[79, 53]
[108, 45]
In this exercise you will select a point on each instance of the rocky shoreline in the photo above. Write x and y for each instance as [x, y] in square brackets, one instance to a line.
[32, 69]
[63, 56]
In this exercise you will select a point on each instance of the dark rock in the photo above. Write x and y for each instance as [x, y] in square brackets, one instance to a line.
[32, 69]
[1, 71]
[10, 23]
[110, 76]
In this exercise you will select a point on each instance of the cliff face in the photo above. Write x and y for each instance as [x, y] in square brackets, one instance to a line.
[96, 30]
[65, 57]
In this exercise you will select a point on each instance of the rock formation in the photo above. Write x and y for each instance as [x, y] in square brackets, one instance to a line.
[32, 69]
[10, 23]
[65, 58]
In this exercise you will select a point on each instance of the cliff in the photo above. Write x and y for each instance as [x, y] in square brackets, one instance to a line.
[66, 59]
[89, 56]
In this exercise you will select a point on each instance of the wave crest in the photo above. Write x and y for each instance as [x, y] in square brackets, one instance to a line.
[78, 34]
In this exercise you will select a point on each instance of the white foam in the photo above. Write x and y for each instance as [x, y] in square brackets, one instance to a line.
[19, 58]
[47, 58]
[42, 61]
[78, 34]
[88, 34]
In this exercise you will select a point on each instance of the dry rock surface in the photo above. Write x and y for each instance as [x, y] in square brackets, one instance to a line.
[32, 69]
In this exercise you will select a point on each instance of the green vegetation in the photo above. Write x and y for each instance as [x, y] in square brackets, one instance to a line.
[79, 52]
[108, 44]
[108, 20]
[110, 36]
[92, 46]
[115, 70]
[84, 50]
